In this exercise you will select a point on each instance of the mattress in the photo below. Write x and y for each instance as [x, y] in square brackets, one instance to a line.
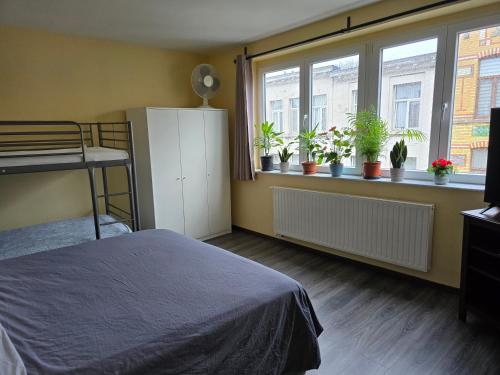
[92, 154]
[47, 236]
[154, 302]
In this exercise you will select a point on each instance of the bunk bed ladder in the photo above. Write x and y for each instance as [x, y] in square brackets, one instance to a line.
[110, 208]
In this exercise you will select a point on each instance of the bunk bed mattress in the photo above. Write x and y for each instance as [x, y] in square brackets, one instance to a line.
[53, 235]
[92, 154]
[154, 302]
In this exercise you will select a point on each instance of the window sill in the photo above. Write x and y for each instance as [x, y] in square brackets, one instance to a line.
[382, 180]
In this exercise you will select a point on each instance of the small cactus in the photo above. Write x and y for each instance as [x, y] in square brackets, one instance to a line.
[398, 154]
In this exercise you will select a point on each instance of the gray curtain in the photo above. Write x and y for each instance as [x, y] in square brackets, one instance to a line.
[244, 168]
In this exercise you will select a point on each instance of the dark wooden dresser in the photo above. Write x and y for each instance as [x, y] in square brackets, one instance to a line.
[480, 278]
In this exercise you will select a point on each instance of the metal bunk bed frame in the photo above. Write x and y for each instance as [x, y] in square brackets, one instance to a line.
[31, 137]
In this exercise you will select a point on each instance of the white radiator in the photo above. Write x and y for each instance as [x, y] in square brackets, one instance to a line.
[391, 231]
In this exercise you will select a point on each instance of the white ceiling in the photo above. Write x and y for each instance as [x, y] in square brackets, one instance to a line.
[176, 24]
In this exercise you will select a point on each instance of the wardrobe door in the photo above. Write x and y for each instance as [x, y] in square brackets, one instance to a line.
[194, 172]
[166, 169]
[219, 189]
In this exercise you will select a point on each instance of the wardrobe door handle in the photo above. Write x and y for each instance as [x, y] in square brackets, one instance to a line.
[183, 178]
[178, 179]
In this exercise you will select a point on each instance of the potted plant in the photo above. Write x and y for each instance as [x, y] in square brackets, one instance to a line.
[399, 153]
[370, 136]
[308, 141]
[442, 169]
[338, 147]
[266, 141]
[285, 155]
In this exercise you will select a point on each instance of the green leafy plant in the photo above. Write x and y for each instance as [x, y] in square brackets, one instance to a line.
[370, 133]
[309, 142]
[399, 151]
[268, 138]
[285, 154]
[338, 145]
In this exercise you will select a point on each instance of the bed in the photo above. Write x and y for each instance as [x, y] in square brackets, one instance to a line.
[61, 156]
[42, 146]
[152, 302]
[62, 233]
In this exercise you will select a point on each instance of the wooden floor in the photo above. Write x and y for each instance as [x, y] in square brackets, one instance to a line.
[377, 323]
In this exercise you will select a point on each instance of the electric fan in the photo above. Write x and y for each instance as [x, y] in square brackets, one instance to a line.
[205, 82]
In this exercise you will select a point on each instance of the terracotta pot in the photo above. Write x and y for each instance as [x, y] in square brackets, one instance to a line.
[309, 167]
[371, 170]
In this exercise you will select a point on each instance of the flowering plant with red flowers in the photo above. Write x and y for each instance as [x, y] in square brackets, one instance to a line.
[441, 167]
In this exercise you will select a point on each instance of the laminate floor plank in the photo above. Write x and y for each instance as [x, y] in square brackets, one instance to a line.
[376, 323]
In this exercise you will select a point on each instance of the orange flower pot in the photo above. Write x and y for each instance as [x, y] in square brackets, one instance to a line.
[309, 167]
[371, 170]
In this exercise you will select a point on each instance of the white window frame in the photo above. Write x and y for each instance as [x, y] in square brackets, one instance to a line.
[261, 115]
[449, 88]
[370, 71]
[375, 74]
[305, 91]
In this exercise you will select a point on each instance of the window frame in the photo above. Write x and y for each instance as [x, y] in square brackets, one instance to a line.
[333, 54]
[375, 63]
[453, 31]
[261, 109]
[305, 91]
[370, 65]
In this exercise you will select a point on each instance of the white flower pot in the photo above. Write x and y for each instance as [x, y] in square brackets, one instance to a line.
[441, 180]
[284, 167]
[397, 174]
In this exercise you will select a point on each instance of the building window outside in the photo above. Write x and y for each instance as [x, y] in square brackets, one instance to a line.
[319, 112]
[277, 114]
[407, 105]
[479, 157]
[489, 86]
[294, 113]
[354, 101]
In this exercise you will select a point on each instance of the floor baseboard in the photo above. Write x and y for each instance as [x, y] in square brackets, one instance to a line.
[353, 261]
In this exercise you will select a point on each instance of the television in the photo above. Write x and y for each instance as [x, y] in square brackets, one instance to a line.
[492, 185]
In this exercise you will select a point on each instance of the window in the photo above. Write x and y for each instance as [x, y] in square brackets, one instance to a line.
[473, 97]
[489, 86]
[277, 114]
[446, 92]
[406, 105]
[319, 112]
[282, 104]
[406, 92]
[294, 114]
[479, 157]
[334, 87]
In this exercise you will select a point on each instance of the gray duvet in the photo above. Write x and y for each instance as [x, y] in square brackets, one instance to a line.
[154, 302]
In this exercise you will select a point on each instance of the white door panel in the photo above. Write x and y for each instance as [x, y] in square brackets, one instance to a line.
[217, 155]
[166, 169]
[194, 172]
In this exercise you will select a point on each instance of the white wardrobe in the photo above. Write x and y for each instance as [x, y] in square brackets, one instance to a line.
[182, 162]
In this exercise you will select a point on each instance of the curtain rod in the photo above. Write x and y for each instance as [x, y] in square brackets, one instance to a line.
[349, 28]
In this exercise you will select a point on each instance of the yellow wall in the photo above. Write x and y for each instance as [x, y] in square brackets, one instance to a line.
[48, 76]
[252, 201]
